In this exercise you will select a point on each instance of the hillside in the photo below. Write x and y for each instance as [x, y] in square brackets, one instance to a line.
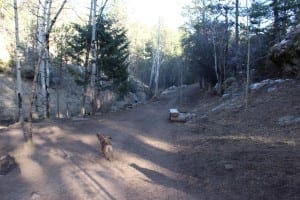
[68, 94]
[223, 152]
[67, 97]
[253, 154]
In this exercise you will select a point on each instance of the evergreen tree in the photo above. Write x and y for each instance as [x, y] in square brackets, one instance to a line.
[112, 52]
[259, 14]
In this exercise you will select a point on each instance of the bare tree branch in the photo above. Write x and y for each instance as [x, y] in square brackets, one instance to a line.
[102, 8]
[55, 17]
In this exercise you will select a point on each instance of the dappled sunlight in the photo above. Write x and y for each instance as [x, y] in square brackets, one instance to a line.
[50, 130]
[56, 156]
[9, 103]
[90, 139]
[46, 134]
[4, 53]
[31, 171]
[119, 127]
[8, 100]
[28, 168]
[70, 180]
[269, 140]
[259, 139]
[152, 142]
[6, 82]
[71, 163]
[158, 144]
[39, 140]
[86, 183]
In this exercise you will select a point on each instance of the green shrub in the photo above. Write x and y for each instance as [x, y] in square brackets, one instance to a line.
[12, 63]
[125, 87]
[4, 67]
[27, 72]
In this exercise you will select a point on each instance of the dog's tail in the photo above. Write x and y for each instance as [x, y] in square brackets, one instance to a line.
[109, 152]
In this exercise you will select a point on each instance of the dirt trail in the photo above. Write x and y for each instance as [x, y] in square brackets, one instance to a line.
[66, 162]
[225, 153]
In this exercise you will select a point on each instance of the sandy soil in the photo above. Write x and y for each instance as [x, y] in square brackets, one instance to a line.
[224, 153]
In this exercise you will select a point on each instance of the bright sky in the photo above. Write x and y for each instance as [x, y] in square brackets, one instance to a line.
[145, 11]
[149, 11]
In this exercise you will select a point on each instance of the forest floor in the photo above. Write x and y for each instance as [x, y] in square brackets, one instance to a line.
[224, 153]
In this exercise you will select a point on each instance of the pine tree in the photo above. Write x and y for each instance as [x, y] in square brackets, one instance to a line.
[112, 52]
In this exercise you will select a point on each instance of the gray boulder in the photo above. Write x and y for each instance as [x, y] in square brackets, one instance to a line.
[7, 163]
[288, 120]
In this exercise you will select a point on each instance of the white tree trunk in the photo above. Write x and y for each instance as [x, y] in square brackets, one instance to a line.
[48, 23]
[19, 80]
[86, 64]
[157, 74]
[40, 67]
[248, 61]
[215, 58]
[152, 72]
[237, 34]
[45, 27]
[94, 59]
[42, 53]
[47, 58]
[180, 71]
[156, 63]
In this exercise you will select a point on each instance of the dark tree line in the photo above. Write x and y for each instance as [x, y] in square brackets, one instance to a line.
[215, 46]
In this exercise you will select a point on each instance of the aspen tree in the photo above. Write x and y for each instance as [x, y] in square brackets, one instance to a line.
[18, 65]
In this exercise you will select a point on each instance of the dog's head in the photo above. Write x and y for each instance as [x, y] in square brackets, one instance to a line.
[102, 138]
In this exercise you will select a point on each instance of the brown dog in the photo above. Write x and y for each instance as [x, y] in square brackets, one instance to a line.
[106, 146]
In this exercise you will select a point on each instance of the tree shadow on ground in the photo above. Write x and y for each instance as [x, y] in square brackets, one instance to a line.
[159, 178]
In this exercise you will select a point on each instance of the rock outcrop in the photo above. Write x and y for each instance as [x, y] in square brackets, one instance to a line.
[7, 163]
[68, 96]
[286, 54]
[140, 94]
